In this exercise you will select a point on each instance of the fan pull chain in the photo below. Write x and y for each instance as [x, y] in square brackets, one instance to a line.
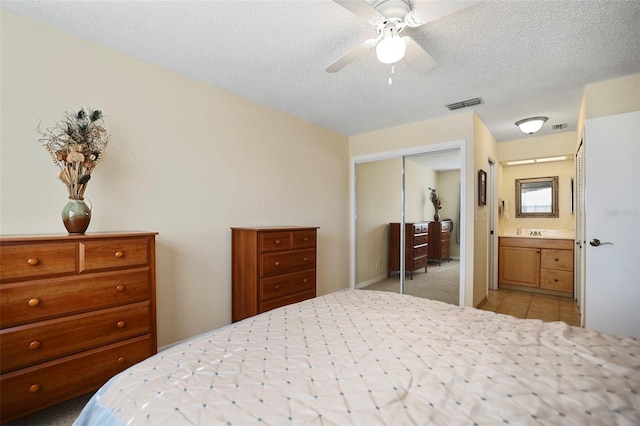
[393, 70]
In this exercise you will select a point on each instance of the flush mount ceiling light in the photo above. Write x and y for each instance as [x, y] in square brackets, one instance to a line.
[531, 125]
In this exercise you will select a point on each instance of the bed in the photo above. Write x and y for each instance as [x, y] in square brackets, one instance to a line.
[368, 357]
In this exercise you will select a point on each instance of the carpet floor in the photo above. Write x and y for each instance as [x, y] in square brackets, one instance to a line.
[438, 283]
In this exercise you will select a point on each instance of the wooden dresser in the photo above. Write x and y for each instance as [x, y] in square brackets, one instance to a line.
[439, 240]
[75, 310]
[416, 247]
[271, 267]
[540, 264]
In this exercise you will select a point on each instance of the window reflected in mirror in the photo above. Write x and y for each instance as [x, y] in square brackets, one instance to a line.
[537, 197]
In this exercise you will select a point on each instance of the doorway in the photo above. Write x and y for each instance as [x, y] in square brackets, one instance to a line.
[394, 188]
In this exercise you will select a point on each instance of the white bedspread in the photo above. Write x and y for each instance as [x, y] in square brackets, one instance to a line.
[365, 358]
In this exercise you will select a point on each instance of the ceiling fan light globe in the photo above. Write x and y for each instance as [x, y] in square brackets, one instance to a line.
[391, 49]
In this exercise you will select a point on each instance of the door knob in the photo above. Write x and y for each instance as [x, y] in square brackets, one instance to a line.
[596, 242]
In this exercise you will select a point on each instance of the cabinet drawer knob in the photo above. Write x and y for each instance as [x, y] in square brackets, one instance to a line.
[305, 239]
[34, 388]
[276, 263]
[121, 360]
[121, 324]
[304, 259]
[277, 286]
[557, 260]
[276, 242]
[34, 345]
[555, 279]
[120, 288]
[305, 280]
[34, 302]
[119, 254]
[33, 261]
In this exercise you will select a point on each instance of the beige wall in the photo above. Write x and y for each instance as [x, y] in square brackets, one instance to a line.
[418, 180]
[538, 147]
[378, 203]
[185, 159]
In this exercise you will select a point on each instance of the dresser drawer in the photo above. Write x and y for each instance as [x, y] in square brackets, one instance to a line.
[280, 286]
[446, 226]
[556, 280]
[28, 344]
[274, 241]
[445, 236]
[556, 259]
[35, 260]
[285, 262]
[420, 239]
[293, 298]
[26, 302]
[420, 251]
[28, 390]
[110, 254]
[420, 263]
[303, 239]
[446, 244]
[420, 228]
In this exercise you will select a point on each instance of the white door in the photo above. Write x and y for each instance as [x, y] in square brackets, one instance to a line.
[612, 224]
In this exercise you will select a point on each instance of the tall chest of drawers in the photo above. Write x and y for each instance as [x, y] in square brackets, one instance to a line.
[75, 310]
[416, 247]
[271, 267]
[440, 240]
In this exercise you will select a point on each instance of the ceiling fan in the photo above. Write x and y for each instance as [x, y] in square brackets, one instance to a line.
[390, 17]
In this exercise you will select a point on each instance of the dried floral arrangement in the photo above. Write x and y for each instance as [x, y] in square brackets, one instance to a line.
[76, 145]
[435, 200]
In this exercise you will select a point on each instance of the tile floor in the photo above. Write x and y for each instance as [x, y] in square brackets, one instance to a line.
[530, 305]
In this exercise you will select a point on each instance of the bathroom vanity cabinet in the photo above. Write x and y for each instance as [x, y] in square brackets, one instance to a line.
[542, 264]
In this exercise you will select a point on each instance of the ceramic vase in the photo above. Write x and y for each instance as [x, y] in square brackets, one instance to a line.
[76, 216]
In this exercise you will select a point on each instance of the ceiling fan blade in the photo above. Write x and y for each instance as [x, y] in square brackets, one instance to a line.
[436, 9]
[360, 8]
[417, 56]
[351, 55]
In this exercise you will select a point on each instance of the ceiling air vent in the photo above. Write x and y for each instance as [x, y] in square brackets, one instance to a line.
[464, 104]
[559, 126]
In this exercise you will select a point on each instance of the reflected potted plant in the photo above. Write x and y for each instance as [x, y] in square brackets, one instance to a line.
[76, 144]
[437, 203]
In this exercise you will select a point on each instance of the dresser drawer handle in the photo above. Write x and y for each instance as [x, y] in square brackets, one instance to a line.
[34, 302]
[121, 360]
[121, 324]
[34, 388]
[276, 242]
[276, 263]
[555, 279]
[120, 288]
[277, 286]
[33, 261]
[34, 345]
[305, 280]
[557, 260]
[304, 259]
[119, 254]
[305, 239]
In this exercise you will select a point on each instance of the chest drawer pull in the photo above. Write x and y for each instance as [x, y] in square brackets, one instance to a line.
[277, 286]
[120, 288]
[34, 345]
[276, 263]
[34, 388]
[276, 242]
[119, 254]
[33, 261]
[305, 280]
[121, 324]
[121, 360]
[304, 259]
[34, 302]
[305, 239]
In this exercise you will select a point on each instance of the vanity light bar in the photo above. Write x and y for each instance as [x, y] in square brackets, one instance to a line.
[517, 163]
[549, 159]
[537, 160]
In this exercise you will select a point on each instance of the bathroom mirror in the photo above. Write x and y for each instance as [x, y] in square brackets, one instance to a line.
[537, 197]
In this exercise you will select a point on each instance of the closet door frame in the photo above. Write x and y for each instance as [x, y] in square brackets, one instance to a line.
[401, 153]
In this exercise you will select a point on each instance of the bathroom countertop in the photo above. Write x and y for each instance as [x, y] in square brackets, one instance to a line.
[558, 234]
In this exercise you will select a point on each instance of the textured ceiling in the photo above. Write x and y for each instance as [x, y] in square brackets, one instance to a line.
[524, 58]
